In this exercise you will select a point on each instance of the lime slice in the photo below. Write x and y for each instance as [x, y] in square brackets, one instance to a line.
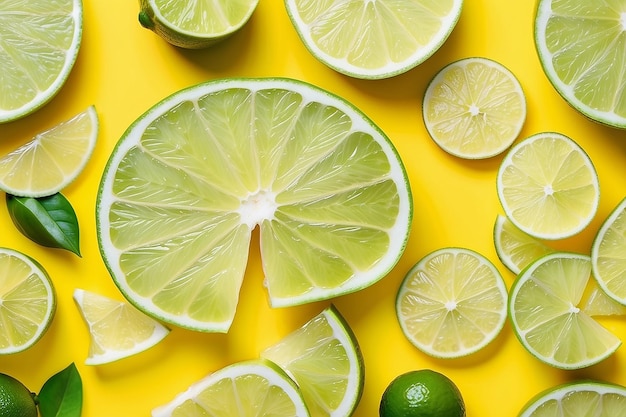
[452, 303]
[39, 43]
[116, 329]
[373, 39]
[52, 159]
[608, 254]
[548, 186]
[192, 177]
[27, 301]
[544, 310]
[576, 399]
[598, 303]
[579, 43]
[324, 359]
[243, 389]
[474, 108]
[195, 24]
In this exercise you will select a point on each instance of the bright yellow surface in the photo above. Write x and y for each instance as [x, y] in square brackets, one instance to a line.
[124, 69]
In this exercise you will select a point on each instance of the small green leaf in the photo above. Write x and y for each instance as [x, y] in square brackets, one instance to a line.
[49, 221]
[62, 394]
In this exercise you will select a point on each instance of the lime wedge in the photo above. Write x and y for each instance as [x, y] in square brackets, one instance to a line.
[598, 303]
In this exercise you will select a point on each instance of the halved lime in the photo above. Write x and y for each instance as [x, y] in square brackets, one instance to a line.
[192, 177]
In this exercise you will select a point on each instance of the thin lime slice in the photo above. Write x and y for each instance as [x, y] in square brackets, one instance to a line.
[474, 108]
[452, 303]
[192, 177]
[27, 301]
[39, 43]
[324, 359]
[244, 389]
[373, 39]
[544, 308]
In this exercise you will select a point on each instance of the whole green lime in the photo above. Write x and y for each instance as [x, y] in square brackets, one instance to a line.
[15, 399]
[422, 393]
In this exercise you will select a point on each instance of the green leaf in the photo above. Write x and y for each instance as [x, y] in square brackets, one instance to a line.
[49, 221]
[62, 394]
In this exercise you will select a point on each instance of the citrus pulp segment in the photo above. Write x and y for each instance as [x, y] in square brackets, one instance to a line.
[452, 303]
[324, 359]
[579, 43]
[373, 39]
[474, 108]
[244, 389]
[598, 303]
[548, 186]
[39, 43]
[544, 308]
[27, 301]
[192, 177]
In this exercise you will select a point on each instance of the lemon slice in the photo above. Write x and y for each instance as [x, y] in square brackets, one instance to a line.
[373, 39]
[324, 359]
[548, 186]
[545, 310]
[474, 108]
[116, 329]
[39, 43]
[452, 303]
[243, 389]
[27, 301]
[52, 159]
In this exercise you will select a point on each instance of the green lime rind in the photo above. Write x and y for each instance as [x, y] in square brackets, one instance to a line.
[16, 398]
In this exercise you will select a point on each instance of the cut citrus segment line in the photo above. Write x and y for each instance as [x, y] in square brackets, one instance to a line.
[27, 301]
[39, 43]
[452, 303]
[324, 359]
[52, 159]
[548, 186]
[474, 108]
[116, 329]
[315, 174]
[373, 39]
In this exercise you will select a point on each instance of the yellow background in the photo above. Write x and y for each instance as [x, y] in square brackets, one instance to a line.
[124, 69]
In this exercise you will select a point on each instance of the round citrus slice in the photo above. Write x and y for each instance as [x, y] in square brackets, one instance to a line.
[39, 43]
[452, 303]
[373, 39]
[324, 359]
[544, 308]
[474, 108]
[191, 178]
[579, 43]
[27, 301]
[548, 186]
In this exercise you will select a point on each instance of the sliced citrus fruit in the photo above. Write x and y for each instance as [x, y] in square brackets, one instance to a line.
[116, 329]
[324, 359]
[52, 159]
[243, 389]
[474, 108]
[373, 39]
[579, 43]
[548, 186]
[544, 308]
[598, 303]
[27, 301]
[191, 178]
[452, 303]
[39, 43]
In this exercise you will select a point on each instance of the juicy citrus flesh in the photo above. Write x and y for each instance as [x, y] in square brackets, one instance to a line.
[474, 108]
[324, 358]
[244, 389]
[578, 43]
[373, 39]
[598, 303]
[452, 303]
[545, 310]
[316, 176]
[27, 301]
[15, 399]
[548, 186]
[39, 42]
